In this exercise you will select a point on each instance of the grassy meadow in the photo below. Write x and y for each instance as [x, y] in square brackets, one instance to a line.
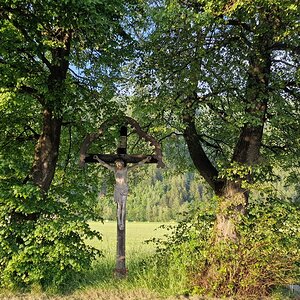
[99, 282]
[136, 235]
[137, 251]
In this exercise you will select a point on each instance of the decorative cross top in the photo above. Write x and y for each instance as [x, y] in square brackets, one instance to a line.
[118, 164]
[122, 148]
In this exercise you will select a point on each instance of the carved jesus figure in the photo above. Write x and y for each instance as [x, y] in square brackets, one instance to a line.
[121, 186]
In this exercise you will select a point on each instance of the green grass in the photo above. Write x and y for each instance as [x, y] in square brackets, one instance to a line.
[141, 284]
[137, 251]
[136, 235]
[138, 254]
[100, 282]
[102, 277]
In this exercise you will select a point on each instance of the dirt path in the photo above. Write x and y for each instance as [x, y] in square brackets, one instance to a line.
[97, 294]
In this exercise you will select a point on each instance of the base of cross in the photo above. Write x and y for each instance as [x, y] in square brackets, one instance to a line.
[111, 158]
[121, 273]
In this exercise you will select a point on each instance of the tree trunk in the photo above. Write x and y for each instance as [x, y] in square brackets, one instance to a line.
[47, 148]
[233, 197]
[233, 204]
[46, 151]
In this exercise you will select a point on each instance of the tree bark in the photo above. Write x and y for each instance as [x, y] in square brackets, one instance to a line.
[47, 147]
[46, 151]
[45, 159]
[233, 204]
[201, 161]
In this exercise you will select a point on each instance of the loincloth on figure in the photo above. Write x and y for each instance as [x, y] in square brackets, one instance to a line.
[120, 193]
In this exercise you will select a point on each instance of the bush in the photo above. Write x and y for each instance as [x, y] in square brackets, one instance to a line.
[266, 255]
[178, 251]
[42, 240]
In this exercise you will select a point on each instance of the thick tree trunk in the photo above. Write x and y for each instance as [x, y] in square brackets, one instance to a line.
[46, 151]
[234, 198]
[233, 205]
[47, 148]
[45, 159]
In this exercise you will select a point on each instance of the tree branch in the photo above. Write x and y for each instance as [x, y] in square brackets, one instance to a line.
[148, 138]
[69, 150]
[32, 91]
[198, 155]
[275, 149]
[169, 135]
[35, 134]
[284, 46]
[236, 22]
[21, 28]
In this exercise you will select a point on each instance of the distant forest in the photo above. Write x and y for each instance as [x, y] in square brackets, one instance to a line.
[155, 195]
[162, 195]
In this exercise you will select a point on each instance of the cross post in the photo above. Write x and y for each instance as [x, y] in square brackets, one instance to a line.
[105, 160]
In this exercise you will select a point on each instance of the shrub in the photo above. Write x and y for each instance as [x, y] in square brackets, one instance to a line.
[42, 240]
[178, 251]
[266, 255]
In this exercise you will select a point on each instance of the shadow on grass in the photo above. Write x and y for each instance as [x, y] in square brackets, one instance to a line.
[97, 283]
[102, 275]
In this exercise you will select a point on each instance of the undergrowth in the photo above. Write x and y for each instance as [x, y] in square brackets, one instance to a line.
[187, 262]
[265, 257]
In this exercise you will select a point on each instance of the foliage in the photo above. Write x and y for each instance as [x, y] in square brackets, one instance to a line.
[42, 240]
[178, 250]
[52, 253]
[98, 282]
[50, 250]
[58, 59]
[230, 71]
[200, 58]
[225, 75]
[265, 256]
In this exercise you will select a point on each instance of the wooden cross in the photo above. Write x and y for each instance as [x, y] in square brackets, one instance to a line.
[105, 160]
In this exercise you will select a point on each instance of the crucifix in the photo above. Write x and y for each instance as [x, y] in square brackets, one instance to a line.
[118, 164]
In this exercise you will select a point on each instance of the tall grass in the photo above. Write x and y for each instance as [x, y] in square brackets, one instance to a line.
[100, 282]
[145, 281]
[141, 275]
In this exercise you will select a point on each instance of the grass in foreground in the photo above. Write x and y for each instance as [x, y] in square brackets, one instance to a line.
[137, 253]
[100, 282]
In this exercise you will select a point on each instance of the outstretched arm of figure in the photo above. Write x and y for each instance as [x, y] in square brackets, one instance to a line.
[103, 163]
[140, 163]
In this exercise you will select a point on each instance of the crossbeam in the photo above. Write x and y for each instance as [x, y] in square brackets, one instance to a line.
[111, 158]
